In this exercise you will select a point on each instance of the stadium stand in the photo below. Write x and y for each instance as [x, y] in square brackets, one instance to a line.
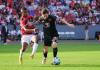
[79, 12]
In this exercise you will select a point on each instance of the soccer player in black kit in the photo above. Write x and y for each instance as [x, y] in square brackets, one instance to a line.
[50, 33]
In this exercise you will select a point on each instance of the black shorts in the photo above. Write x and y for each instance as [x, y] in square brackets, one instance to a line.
[48, 41]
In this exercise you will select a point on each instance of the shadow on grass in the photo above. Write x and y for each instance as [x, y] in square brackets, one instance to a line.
[69, 65]
[53, 66]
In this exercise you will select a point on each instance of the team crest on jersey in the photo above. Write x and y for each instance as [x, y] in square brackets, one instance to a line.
[47, 25]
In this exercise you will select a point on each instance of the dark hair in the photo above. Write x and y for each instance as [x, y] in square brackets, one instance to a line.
[45, 11]
[28, 3]
[23, 9]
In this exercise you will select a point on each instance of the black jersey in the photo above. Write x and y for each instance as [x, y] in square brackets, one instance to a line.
[49, 26]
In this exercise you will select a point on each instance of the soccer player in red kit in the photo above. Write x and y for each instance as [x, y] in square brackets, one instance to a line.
[29, 34]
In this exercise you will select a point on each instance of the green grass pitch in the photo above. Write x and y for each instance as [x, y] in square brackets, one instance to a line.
[74, 55]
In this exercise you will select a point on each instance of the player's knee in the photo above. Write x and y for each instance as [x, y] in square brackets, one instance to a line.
[23, 50]
[35, 39]
[24, 47]
[31, 44]
[54, 44]
[45, 49]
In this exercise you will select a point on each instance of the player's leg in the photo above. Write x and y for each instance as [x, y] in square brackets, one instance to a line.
[5, 39]
[34, 45]
[25, 42]
[54, 46]
[22, 50]
[35, 41]
[45, 52]
[47, 43]
[86, 35]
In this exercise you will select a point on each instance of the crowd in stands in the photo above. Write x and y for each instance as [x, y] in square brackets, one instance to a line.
[78, 12]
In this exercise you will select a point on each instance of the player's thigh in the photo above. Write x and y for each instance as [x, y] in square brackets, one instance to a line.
[24, 45]
[54, 42]
[34, 38]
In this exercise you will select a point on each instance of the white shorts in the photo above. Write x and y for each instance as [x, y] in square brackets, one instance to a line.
[26, 38]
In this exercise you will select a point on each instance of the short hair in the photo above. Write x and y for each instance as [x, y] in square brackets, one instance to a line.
[45, 11]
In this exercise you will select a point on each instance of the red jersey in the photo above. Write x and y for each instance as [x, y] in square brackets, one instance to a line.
[24, 23]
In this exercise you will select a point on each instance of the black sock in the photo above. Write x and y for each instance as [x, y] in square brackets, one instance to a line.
[55, 50]
[45, 54]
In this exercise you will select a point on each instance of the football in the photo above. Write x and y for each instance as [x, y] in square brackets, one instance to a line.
[56, 61]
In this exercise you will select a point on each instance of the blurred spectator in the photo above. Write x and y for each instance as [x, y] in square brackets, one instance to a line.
[98, 5]
[70, 17]
[72, 4]
[4, 32]
[75, 11]
[30, 8]
[93, 4]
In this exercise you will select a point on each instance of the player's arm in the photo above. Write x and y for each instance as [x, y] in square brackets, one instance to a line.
[64, 21]
[38, 20]
[27, 30]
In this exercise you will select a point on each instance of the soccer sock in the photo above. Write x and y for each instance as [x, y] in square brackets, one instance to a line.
[21, 54]
[45, 54]
[55, 50]
[34, 48]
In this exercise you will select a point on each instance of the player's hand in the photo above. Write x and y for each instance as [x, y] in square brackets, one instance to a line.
[64, 21]
[71, 25]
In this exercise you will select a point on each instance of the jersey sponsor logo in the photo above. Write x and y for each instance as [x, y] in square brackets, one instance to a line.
[47, 25]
